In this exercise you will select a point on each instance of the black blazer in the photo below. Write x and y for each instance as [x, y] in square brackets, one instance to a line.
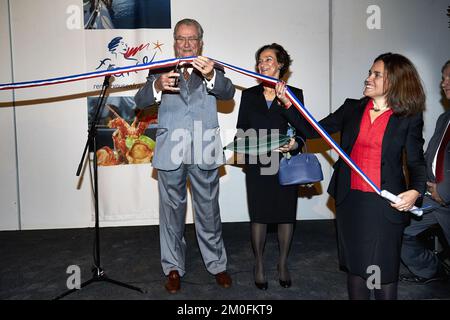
[443, 188]
[402, 134]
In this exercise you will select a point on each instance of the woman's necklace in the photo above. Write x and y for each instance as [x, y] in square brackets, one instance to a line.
[377, 108]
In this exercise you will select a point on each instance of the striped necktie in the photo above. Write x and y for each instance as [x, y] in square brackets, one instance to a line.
[186, 73]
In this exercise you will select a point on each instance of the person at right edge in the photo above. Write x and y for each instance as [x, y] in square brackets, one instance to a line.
[376, 132]
[424, 265]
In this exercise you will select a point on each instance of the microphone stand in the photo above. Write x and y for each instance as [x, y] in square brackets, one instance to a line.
[97, 271]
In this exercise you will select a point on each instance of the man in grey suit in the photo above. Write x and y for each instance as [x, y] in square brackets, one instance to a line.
[424, 264]
[188, 145]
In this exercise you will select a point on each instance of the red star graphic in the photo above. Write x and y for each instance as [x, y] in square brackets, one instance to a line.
[158, 45]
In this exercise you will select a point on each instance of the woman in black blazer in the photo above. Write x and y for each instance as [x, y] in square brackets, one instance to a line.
[377, 131]
[268, 201]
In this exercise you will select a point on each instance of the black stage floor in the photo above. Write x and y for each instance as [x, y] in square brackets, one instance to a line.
[34, 263]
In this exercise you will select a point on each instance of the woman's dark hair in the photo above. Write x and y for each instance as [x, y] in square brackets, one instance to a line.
[445, 66]
[404, 94]
[282, 56]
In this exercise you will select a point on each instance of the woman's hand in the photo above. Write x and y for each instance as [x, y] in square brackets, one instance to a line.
[408, 198]
[292, 145]
[280, 90]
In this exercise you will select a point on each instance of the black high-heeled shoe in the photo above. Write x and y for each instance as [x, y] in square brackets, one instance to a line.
[262, 286]
[284, 283]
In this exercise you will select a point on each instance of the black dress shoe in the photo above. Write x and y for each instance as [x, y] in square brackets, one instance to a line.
[285, 284]
[420, 280]
[262, 285]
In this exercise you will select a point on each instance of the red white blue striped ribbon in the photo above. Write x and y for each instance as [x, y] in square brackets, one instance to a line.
[310, 119]
[173, 62]
[330, 140]
[90, 75]
[383, 193]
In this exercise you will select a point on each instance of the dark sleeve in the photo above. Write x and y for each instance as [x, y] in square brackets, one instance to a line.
[144, 97]
[300, 142]
[296, 119]
[293, 117]
[414, 154]
[223, 87]
[332, 123]
[243, 121]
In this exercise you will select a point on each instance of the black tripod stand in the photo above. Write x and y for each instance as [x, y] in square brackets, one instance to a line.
[97, 272]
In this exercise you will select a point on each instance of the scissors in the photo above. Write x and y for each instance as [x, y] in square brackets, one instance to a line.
[177, 69]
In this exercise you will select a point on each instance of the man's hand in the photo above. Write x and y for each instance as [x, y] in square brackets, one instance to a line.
[167, 82]
[431, 188]
[205, 66]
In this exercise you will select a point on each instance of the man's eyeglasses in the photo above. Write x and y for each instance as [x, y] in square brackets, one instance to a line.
[181, 40]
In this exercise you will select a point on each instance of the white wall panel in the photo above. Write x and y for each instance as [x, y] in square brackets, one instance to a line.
[415, 28]
[51, 124]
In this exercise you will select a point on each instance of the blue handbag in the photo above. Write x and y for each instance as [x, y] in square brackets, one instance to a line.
[303, 168]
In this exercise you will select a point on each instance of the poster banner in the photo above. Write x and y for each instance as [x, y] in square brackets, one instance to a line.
[120, 33]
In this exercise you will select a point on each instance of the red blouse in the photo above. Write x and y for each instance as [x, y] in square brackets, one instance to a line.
[366, 152]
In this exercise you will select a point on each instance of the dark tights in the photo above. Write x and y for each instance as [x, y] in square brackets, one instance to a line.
[258, 237]
[358, 290]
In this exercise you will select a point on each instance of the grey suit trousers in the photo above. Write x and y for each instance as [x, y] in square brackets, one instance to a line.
[419, 260]
[172, 215]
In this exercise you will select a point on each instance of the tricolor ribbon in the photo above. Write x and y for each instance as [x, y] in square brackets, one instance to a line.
[383, 193]
[173, 62]
[90, 75]
[305, 113]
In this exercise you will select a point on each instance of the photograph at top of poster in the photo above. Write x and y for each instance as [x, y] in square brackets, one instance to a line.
[126, 14]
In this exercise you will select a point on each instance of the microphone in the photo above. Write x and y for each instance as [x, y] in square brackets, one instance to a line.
[106, 81]
[108, 77]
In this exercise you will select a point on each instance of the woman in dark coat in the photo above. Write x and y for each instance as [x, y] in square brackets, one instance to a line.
[268, 201]
[377, 131]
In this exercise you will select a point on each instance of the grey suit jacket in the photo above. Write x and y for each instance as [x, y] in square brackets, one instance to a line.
[188, 127]
[443, 188]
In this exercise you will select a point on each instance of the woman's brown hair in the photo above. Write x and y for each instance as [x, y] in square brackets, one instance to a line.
[404, 94]
[283, 56]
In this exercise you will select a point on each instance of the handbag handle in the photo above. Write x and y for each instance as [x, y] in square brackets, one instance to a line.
[292, 134]
[304, 143]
